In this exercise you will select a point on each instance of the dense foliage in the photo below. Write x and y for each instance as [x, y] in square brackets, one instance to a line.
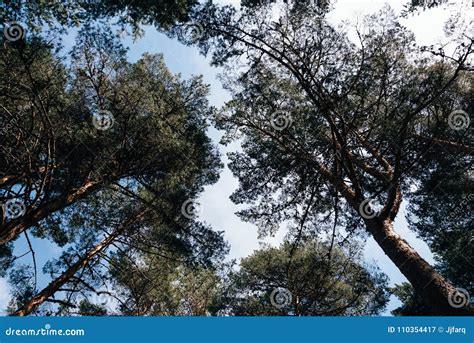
[336, 128]
[99, 147]
[102, 160]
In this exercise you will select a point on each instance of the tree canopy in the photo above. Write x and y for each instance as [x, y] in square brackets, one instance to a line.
[309, 279]
[338, 126]
[90, 160]
[330, 127]
[312, 277]
[38, 14]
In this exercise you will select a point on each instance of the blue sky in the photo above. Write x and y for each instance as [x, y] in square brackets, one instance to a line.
[218, 210]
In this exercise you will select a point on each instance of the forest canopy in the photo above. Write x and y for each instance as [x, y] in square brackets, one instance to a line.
[341, 130]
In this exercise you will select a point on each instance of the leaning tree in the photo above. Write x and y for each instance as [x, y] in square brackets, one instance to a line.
[341, 123]
[97, 155]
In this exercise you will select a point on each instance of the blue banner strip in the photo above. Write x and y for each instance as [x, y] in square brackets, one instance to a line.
[237, 329]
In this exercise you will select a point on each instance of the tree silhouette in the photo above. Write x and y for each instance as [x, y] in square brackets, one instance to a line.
[99, 155]
[315, 111]
[309, 279]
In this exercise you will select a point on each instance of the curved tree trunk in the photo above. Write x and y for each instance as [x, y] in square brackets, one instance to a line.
[12, 229]
[56, 284]
[435, 290]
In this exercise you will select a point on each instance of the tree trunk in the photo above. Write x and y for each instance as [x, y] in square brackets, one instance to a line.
[17, 226]
[426, 281]
[56, 284]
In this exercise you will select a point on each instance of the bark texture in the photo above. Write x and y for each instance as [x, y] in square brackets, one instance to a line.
[436, 290]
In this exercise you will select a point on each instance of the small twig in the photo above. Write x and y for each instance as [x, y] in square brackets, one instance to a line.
[34, 259]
